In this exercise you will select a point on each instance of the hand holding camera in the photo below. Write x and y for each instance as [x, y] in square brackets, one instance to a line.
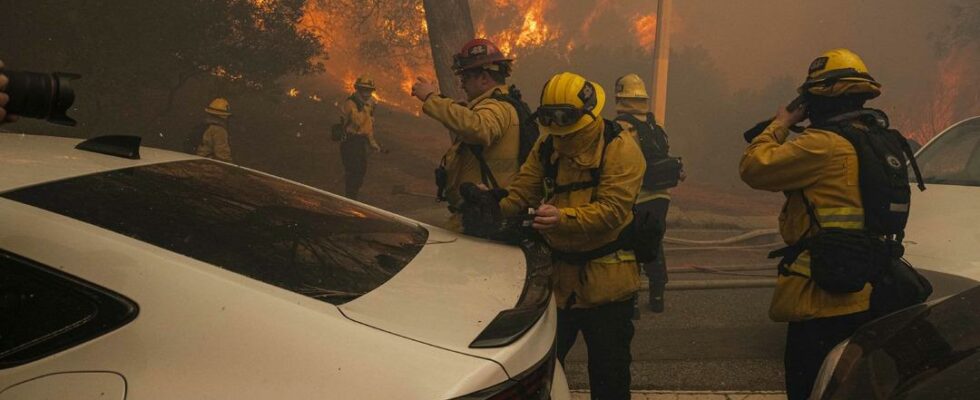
[792, 114]
[4, 117]
[789, 116]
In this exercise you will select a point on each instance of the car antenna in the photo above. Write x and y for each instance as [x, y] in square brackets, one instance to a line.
[126, 146]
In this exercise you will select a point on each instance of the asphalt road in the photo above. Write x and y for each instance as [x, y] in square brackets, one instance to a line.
[709, 339]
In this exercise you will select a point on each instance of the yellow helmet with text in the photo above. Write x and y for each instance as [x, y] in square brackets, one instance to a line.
[569, 103]
[631, 87]
[219, 106]
[839, 72]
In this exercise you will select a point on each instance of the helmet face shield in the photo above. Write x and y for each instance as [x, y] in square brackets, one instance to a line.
[559, 114]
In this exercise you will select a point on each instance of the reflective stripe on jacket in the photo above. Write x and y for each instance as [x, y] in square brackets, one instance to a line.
[823, 165]
[586, 223]
[486, 122]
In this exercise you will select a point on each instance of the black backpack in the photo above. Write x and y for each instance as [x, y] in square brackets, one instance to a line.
[883, 159]
[528, 133]
[663, 171]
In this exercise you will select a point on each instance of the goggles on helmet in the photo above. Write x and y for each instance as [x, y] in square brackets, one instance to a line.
[457, 62]
[561, 114]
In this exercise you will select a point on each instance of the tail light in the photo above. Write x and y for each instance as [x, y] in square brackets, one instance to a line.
[533, 384]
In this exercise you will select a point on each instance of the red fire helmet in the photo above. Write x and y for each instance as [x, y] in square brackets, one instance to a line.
[478, 53]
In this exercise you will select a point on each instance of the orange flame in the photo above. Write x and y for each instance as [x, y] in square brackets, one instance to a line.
[645, 30]
[390, 46]
[528, 31]
[954, 97]
[293, 92]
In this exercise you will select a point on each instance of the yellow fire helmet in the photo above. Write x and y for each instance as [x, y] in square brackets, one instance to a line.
[569, 103]
[363, 82]
[631, 87]
[219, 106]
[838, 72]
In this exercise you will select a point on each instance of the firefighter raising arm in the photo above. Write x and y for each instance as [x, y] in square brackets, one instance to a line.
[771, 163]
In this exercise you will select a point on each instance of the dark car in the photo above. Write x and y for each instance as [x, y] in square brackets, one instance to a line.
[929, 351]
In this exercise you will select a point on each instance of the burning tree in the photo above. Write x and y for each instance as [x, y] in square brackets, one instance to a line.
[956, 91]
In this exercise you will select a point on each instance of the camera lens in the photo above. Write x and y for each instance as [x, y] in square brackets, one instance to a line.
[38, 95]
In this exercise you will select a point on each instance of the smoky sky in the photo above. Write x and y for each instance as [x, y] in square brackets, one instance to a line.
[754, 40]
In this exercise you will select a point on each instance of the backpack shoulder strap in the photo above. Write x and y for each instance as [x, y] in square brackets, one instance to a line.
[547, 149]
[609, 133]
[629, 118]
[651, 118]
[486, 174]
[545, 152]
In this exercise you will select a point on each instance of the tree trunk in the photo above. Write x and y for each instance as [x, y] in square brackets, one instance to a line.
[450, 26]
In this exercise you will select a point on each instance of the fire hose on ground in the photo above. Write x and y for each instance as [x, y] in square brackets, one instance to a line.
[750, 280]
[752, 273]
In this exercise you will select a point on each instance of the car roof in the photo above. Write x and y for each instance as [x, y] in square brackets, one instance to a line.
[32, 159]
[948, 129]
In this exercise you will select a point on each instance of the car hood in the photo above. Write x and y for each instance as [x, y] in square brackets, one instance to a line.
[929, 351]
[448, 294]
[944, 229]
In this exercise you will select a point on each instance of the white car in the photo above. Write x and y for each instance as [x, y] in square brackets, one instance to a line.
[130, 273]
[943, 233]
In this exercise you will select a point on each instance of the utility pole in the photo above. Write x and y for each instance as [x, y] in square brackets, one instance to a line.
[450, 26]
[661, 60]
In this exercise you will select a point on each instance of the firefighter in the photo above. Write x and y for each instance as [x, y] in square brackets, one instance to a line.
[582, 179]
[214, 141]
[633, 113]
[486, 129]
[818, 172]
[357, 119]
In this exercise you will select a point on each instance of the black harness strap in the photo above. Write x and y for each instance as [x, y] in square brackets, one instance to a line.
[545, 152]
[550, 167]
[486, 174]
[789, 254]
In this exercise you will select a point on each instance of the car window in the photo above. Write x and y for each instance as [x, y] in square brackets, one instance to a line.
[259, 226]
[954, 157]
[43, 311]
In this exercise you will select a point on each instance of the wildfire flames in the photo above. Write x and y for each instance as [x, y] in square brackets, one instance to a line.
[390, 49]
[645, 29]
[956, 95]
[529, 31]
[391, 46]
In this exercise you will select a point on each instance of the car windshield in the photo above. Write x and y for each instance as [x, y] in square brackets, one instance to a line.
[954, 157]
[262, 227]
